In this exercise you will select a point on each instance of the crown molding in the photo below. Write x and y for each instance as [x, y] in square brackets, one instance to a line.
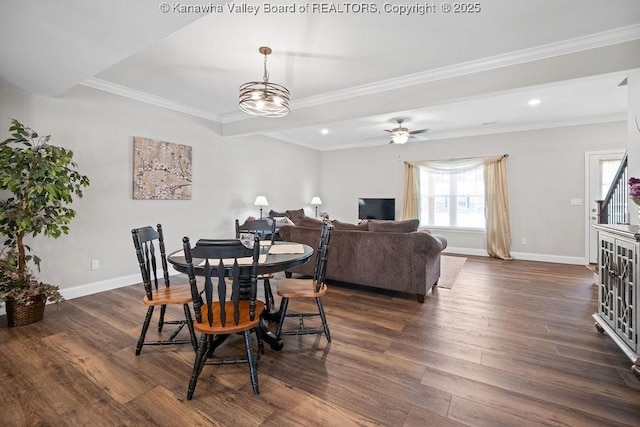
[127, 92]
[592, 41]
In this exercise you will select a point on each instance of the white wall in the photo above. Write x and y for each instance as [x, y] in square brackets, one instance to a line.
[227, 176]
[545, 171]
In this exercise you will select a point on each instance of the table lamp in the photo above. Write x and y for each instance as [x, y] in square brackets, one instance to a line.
[316, 201]
[261, 201]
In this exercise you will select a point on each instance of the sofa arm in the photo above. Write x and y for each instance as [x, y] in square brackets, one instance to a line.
[429, 244]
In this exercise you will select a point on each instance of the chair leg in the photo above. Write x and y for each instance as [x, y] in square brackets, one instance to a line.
[198, 364]
[325, 325]
[145, 327]
[192, 332]
[252, 363]
[268, 296]
[283, 312]
[258, 332]
[163, 309]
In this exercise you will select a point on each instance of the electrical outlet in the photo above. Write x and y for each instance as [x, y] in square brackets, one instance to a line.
[524, 240]
[95, 264]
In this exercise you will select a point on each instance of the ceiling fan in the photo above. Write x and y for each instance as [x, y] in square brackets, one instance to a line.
[400, 135]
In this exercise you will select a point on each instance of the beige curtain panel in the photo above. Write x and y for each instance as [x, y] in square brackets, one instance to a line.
[498, 219]
[411, 206]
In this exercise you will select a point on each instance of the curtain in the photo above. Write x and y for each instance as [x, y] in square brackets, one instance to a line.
[498, 218]
[411, 206]
[498, 213]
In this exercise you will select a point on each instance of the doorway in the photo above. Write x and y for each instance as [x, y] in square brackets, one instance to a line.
[600, 168]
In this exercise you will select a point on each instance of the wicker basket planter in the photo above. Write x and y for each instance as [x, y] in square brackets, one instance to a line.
[20, 313]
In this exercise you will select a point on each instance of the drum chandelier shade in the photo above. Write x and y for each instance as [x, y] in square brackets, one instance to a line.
[263, 98]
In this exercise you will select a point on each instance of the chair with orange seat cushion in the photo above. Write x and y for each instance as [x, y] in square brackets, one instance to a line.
[145, 240]
[237, 311]
[315, 287]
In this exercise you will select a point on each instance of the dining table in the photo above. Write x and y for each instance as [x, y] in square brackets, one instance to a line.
[274, 257]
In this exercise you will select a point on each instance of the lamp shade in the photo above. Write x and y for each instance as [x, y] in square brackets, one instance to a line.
[261, 201]
[316, 200]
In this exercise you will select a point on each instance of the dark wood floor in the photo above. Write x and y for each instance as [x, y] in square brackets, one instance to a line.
[511, 344]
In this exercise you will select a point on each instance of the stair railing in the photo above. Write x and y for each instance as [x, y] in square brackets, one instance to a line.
[613, 209]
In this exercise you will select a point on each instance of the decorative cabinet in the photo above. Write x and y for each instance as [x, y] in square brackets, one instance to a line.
[618, 282]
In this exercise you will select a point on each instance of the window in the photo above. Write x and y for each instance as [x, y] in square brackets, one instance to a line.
[608, 169]
[452, 198]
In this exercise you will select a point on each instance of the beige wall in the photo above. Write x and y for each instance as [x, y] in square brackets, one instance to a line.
[227, 176]
[545, 170]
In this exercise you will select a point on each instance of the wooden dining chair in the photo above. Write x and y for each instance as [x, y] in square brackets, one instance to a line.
[315, 287]
[145, 240]
[261, 227]
[238, 314]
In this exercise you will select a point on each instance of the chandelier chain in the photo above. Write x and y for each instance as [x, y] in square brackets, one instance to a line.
[265, 77]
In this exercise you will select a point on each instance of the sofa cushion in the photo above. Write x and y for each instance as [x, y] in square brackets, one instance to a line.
[406, 226]
[306, 221]
[273, 214]
[339, 225]
[295, 215]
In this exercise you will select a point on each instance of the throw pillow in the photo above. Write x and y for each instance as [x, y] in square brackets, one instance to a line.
[406, 226]
[339, 225]
[282, 220]
[306, 221]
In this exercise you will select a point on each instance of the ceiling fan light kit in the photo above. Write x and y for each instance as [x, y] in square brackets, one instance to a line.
[264, 98]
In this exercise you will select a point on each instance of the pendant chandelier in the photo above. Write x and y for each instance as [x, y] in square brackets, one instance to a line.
[263, 98]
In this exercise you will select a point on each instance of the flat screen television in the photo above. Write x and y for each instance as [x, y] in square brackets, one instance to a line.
[377, 209]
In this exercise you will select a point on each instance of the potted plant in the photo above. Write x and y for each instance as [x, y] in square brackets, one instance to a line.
[40, 180]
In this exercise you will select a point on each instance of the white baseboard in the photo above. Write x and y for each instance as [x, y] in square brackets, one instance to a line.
[525, 256]
[465, 251]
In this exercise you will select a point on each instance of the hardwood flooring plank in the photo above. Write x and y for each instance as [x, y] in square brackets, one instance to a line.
[418, 417]
[120, 381]
[565, 372]
[472, 413]
[517, 404]
[585, 401]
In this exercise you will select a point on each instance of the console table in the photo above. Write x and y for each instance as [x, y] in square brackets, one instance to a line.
[618, 313]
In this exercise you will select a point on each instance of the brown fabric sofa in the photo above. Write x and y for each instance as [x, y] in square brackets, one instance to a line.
[400, 261]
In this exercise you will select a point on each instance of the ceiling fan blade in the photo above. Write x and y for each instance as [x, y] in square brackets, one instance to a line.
[418, 138]
[387, 130]
[416, 132]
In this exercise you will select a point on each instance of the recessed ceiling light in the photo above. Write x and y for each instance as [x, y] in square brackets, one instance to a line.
[533, 102]
[324, 131]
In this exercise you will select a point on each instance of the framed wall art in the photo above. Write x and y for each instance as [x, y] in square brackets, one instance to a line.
[161, 170]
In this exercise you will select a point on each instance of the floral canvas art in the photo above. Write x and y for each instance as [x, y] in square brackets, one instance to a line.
[161, 170]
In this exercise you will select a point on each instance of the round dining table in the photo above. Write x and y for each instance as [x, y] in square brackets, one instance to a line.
[278, 258]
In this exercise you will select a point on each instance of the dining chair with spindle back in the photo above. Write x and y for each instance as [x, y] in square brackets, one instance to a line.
[315, 287]
[150, 248]
[224, 311]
